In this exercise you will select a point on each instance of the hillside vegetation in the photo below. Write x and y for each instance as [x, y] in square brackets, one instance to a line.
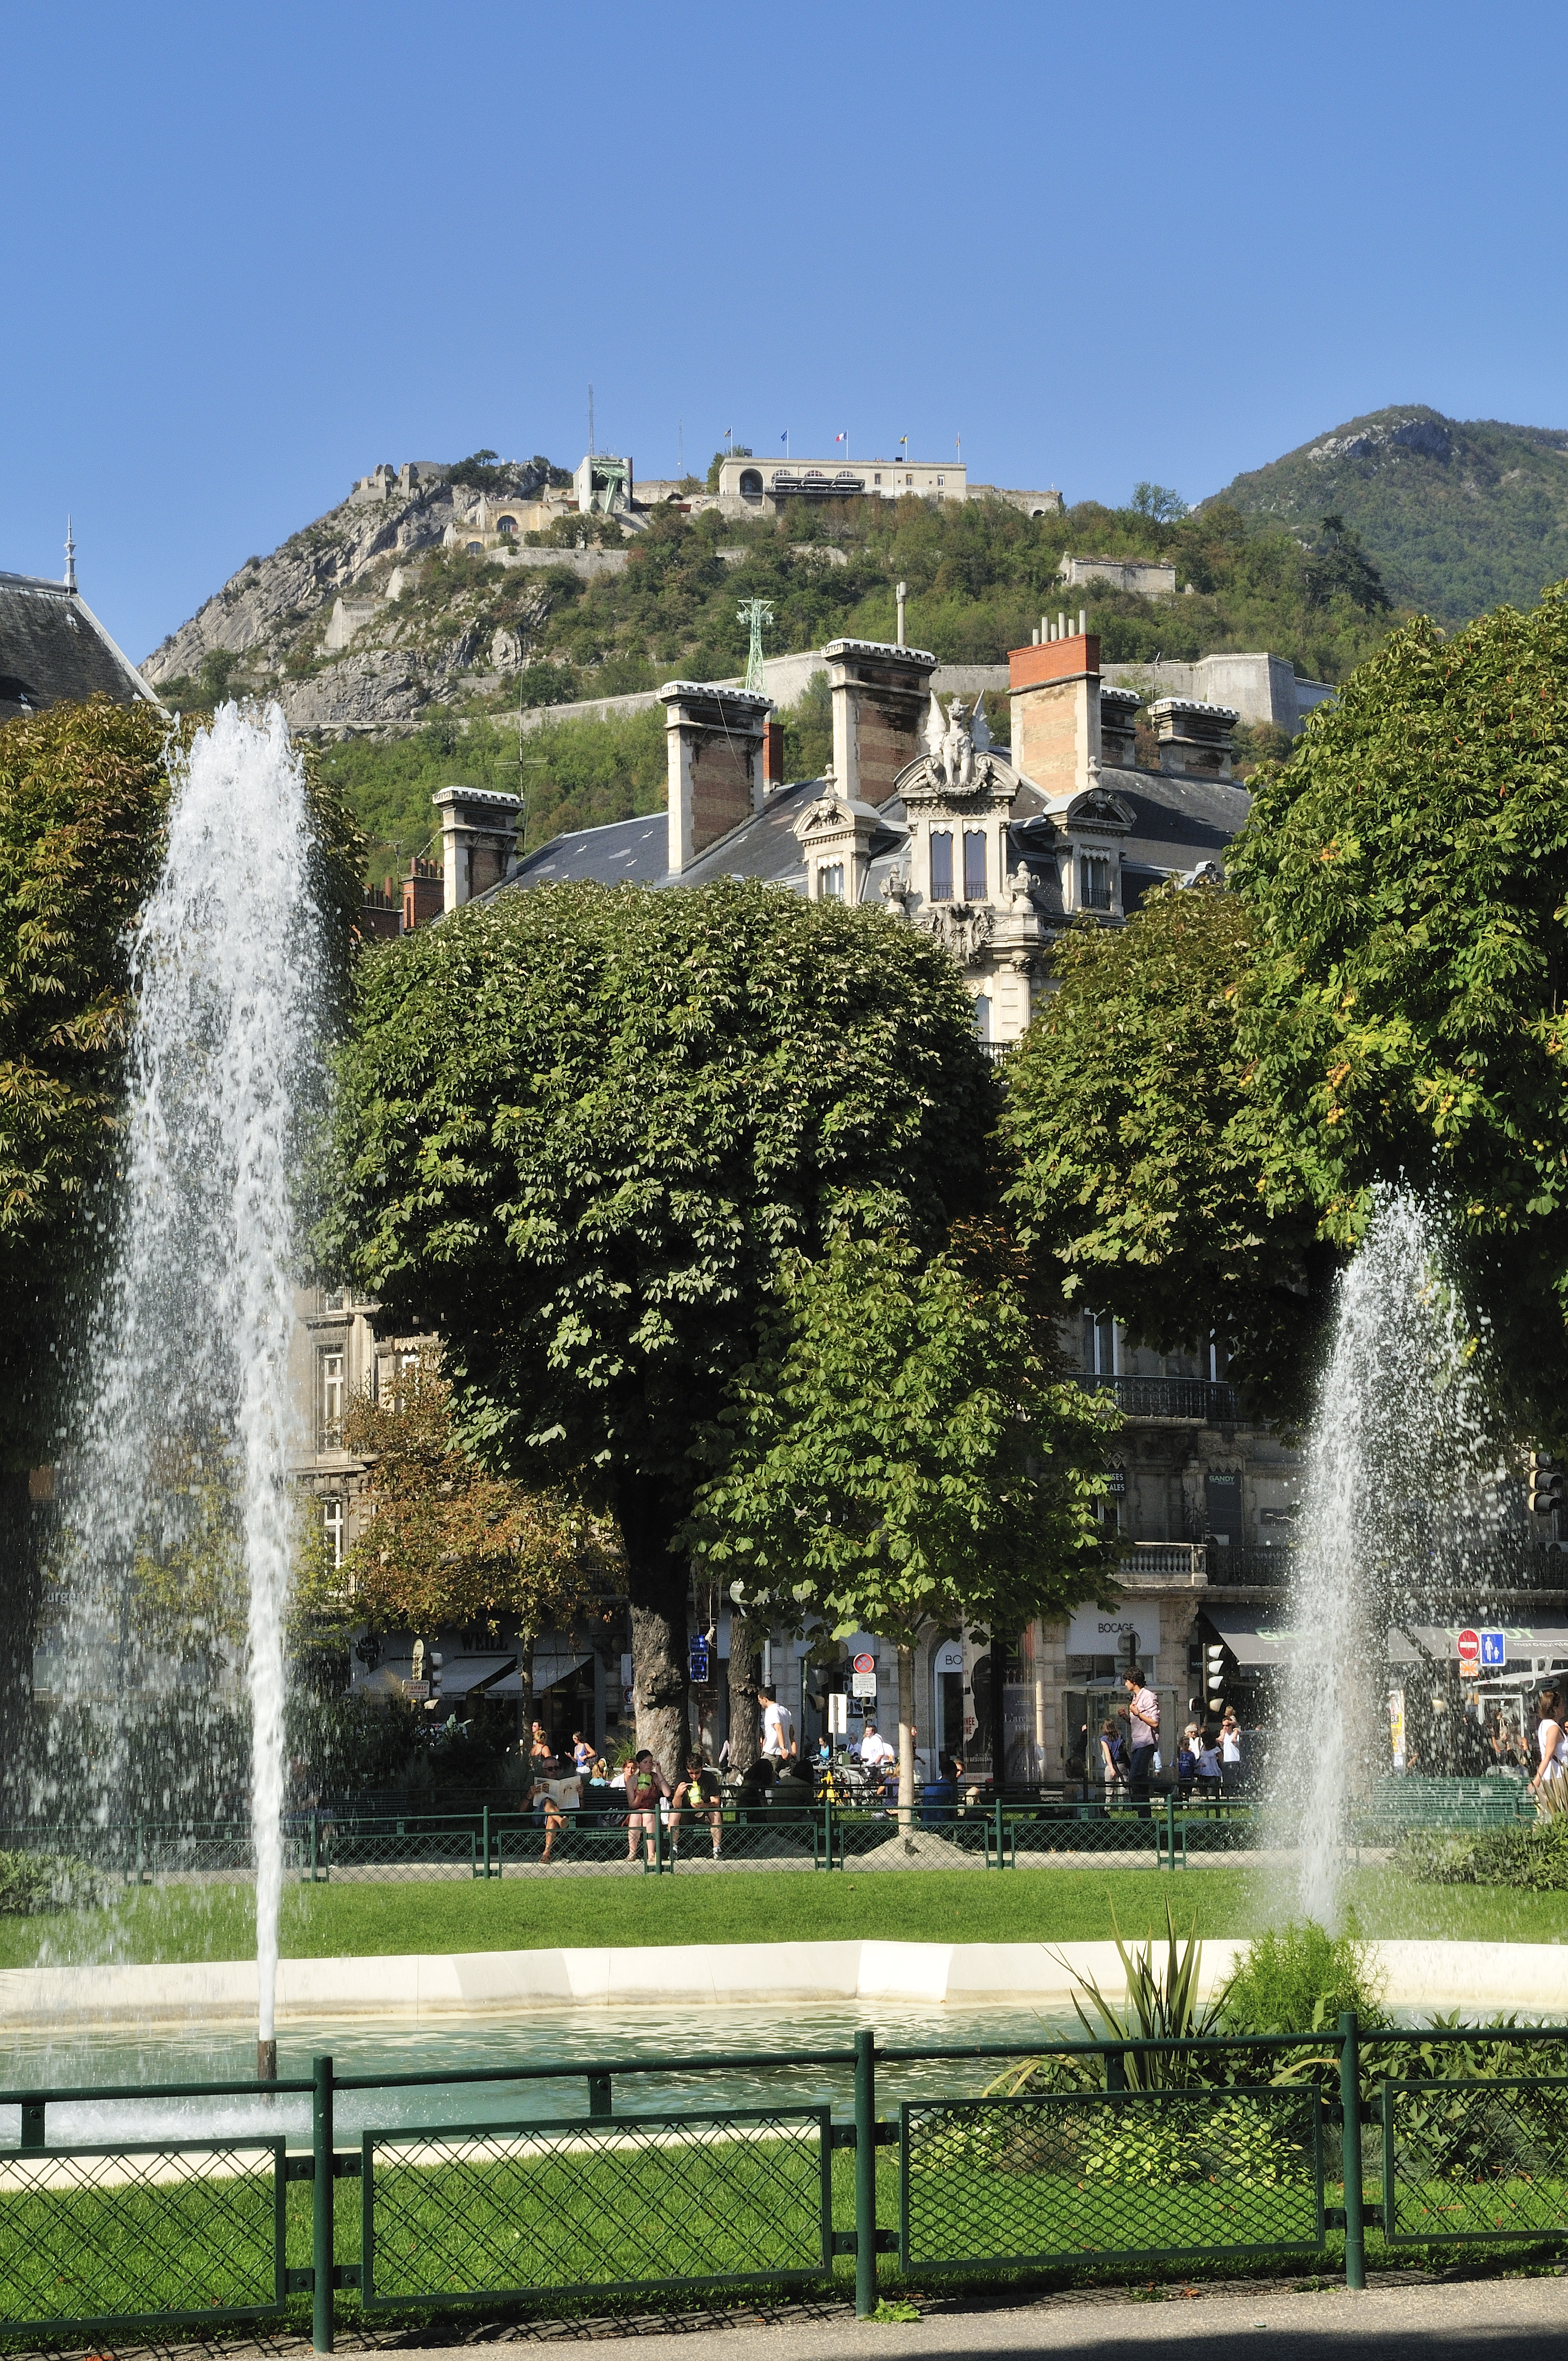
[1460, 516]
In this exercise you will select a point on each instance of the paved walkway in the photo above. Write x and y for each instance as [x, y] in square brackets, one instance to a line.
[1505, 2319]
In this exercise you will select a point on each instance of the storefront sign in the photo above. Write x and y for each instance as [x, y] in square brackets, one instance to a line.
[1100, 1631]
[949, 1657]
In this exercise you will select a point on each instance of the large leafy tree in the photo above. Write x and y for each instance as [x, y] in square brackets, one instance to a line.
[578, 1131]
[1407, 873]
[1131, 1127]
[907, 1452]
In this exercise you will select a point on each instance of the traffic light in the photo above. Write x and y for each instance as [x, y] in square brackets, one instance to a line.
[1214, 1658]
[1545, 1484]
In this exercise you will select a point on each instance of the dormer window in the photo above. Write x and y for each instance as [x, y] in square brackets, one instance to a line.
[974, 865]
[941, 864]
[1093, 881]
[830, 881]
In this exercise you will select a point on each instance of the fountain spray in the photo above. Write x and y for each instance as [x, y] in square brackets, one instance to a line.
[1402, 1508]
[188, 1360]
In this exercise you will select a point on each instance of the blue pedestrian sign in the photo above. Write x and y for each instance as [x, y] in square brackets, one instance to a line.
[1494, 1651]
[701, 1665]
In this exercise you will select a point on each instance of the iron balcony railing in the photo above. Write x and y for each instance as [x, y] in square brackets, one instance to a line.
[1212, 1401]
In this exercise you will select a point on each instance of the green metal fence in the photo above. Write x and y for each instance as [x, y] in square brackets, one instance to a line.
[1127, 2154]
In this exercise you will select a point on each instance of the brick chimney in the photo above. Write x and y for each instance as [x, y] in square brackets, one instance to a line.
[772, 755]
[479, 842]
[881, 696]
[380, 913]
[423, 893]
[713, 745]
[1055, 691]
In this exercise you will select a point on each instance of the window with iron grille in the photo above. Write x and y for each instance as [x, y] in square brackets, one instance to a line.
[974, 865]
[1093, 881]
[941, 864]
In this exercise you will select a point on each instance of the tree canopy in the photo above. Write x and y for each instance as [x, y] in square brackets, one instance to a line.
[578, 1132]
[1130, 1125]
[1407, 875]
[905, 1453]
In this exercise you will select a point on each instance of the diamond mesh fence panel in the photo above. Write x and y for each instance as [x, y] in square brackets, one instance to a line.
[347, 1854]
[149, 2235]
[1070, 1830]
[530, 1848]
[759, 1836]
[1134, 2176]
[637, 2201]
[1465, 2160]
[872, 1840]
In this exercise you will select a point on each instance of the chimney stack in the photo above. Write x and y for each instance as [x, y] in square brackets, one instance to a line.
[881, 696]
[1194, 739]
[479, 842]
[1055, 691]
[714, 751]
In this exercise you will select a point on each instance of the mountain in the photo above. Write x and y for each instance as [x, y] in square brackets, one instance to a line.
[1459, 515]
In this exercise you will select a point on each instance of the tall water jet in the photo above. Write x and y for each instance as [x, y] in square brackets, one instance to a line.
[1401, 1509]
[186, 1397]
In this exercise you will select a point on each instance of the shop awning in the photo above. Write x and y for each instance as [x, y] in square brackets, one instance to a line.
[1260, 1643]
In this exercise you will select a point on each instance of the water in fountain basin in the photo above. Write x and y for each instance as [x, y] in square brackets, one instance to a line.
[175, 1497]
[1402, 1509]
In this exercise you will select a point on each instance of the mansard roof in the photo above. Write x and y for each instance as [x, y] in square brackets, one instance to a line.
[54, 651]
[1173, 823]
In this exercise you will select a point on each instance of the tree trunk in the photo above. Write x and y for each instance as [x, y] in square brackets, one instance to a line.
[998, 1713]
[745, 1711]
[22, 1523]
[656, 1592]
[525, 1705]
[906, 1738]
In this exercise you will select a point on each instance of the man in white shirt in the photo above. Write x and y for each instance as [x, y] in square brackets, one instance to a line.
[1142, 1737]
[874, 1748]
[778, 1729]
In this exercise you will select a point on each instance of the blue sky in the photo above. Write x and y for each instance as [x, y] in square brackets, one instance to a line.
[256, 250]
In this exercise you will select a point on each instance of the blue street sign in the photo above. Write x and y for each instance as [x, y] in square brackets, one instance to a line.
[701, 1667]
[1495, 1650]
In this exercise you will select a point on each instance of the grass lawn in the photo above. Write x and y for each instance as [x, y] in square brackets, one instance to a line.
[1052, 1906]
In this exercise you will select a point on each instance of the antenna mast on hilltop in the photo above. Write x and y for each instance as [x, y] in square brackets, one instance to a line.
[70, 556]
[756, 613]
[590, 422]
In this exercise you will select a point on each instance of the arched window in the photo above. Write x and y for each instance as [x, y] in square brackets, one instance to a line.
[475, 548]
[941, 864]
[506, 524]
[830, 882]
[751, 483]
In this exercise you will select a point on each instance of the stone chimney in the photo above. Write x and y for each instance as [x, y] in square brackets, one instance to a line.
[881, 696]
[1194, 740]
[1055, 697]
[713, 745]
[424, 895]
[772, 755]
[1118, 737]
[479, 842]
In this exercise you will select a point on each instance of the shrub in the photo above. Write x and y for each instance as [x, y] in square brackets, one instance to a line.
[1297, 1979]
[34, 1881]
[1532, 1859]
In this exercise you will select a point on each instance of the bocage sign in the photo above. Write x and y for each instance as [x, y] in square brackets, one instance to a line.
[1094, 1631]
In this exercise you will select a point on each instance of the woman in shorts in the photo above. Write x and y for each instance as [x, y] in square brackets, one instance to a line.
[646, 1785]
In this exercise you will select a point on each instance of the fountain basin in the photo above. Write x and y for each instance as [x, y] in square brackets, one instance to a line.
[1478, 1978]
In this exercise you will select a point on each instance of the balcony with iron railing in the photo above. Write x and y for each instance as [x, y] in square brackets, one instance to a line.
[1529, 1568]
[1212, 1401]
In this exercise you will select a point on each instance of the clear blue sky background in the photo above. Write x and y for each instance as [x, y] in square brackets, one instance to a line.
[254, 250]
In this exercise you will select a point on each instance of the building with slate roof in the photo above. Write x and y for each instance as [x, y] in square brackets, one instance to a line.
[54, 651]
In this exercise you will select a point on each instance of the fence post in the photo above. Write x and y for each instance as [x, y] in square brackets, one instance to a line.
[486, 1844]
[827, 1827]
[1349, 2136]
[141, 1847]
[1170, 1827]
[1001, 1839]
[323, 2309]
[600, 2098]
[1115, 2069]
[865, 2172]
[315, 1843]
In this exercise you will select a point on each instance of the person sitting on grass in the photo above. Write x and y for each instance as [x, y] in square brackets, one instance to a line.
[560, 1800]
[701, 1795]
[645, 1787]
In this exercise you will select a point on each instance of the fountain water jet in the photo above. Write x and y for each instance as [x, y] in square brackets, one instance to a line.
[1402, 1507]
[186, 1363]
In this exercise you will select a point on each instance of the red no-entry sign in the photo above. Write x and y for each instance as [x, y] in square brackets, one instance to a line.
[1469, 1645]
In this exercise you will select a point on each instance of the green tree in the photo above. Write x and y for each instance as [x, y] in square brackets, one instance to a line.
[1130, 1123]
[736, 451]
[905, 1453]
[1408, 875]
[578, 1132]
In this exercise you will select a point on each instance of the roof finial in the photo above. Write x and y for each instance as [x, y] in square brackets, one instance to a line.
[69, 555]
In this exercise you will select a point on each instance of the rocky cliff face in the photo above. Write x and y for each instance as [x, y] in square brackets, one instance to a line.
[333, 624]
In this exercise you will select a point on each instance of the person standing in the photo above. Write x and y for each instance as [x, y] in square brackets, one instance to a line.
[778, 1729]
[1209, 1766]
[1229, 1753]
[1552, 1739]
[645, 1787]
[874, 1747]
[1143, 1719]
[1113, 1762]
[582, 1755]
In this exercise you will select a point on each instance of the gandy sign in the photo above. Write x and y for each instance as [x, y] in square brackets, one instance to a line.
[1099, 1631]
